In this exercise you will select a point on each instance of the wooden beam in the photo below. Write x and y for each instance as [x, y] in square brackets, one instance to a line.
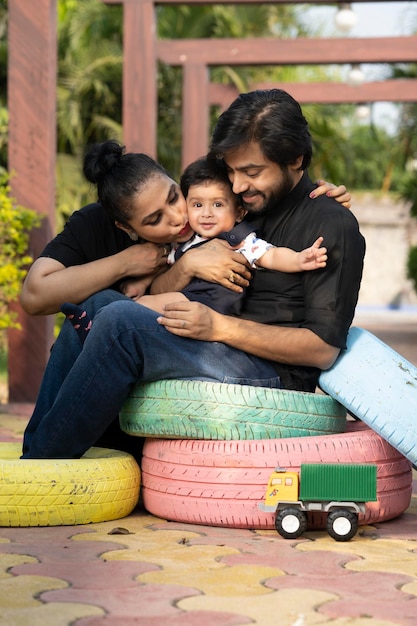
[300, 51]
[396, 90]
[162, 2]
[32, 69]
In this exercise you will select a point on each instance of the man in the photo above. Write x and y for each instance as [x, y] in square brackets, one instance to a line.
[264, 141]
[292, 325]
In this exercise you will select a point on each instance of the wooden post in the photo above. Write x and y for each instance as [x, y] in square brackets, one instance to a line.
[140, 97]
[195, 112]
[31, 158]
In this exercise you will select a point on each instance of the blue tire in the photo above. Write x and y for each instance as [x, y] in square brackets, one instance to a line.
[378, 386]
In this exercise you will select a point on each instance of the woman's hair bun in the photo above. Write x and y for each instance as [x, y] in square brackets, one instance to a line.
[100, 159]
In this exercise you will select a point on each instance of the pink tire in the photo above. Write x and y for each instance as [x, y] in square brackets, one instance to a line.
[220, 483]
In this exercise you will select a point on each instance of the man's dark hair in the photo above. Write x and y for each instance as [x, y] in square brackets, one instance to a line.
[271, 118]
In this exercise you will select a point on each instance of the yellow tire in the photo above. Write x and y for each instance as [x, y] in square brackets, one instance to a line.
[101, 486]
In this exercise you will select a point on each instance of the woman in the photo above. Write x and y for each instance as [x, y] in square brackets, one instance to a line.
[97, 253]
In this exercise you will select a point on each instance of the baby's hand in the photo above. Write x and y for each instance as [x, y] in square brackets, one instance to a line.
[313, 258]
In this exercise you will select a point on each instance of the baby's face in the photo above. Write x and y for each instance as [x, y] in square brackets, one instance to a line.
[212, 208]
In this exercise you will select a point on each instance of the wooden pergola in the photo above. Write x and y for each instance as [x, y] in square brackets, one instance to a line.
[32, 109]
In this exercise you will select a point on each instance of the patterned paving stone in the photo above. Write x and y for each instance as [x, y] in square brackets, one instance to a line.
[21, 604]
[7, 561]
[383, 555]
[291, 607]
[46, 615]
[170, 574]
[196, 565]
[191, 618]
[143, 601]
[379, 595]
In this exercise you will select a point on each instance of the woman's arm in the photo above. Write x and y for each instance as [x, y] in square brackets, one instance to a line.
[49, 283]
[339, 193]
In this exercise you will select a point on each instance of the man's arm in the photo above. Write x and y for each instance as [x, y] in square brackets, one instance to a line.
[295, 346]
[49, 283]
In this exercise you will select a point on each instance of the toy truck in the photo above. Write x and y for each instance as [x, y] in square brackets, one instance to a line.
[340, 490]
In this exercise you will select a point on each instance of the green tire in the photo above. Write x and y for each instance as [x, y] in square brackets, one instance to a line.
[101, 486]
[183, 409]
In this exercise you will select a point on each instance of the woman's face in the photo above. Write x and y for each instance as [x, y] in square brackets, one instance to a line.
[160, 212]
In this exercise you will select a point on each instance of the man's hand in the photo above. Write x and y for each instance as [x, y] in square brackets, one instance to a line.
[339, 193]
[191, 320]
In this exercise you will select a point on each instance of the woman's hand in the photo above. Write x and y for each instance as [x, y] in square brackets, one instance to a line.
[143, 259]
[135, 287]
[339, 193]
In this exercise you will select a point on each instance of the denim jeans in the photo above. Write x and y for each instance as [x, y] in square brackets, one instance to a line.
[84, 387]
[63, 355]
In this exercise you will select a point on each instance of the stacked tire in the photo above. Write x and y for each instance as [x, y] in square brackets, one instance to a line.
[210, 447]
[220, 483]
[102, 485]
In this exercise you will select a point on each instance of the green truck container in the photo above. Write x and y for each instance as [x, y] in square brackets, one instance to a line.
[338, 482]
[339, 490]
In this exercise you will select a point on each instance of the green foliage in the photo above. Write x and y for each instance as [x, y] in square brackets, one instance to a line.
[73, 191]
[90, 60]
[4, 129]
[407, 139]
[373, 159]
[16, 222]
[408, 191]
[412, 266]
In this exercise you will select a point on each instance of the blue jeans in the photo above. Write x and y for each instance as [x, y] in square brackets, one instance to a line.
[84, 387]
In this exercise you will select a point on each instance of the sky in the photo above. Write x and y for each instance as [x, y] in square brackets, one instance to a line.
[374, 19]
[380, 19]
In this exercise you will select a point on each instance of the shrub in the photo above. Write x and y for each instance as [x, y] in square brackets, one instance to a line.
[16, 222]
[412, 266]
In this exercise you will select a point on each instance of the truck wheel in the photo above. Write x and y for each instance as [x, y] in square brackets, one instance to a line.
[378, 386]
[342, 524]
[190, 409]
[291, 522]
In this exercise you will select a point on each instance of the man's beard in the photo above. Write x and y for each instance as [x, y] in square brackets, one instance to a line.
[271, 200]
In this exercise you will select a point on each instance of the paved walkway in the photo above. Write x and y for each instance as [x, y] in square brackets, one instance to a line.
[146, 571]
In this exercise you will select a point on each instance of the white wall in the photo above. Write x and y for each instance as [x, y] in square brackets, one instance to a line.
[389, 231]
